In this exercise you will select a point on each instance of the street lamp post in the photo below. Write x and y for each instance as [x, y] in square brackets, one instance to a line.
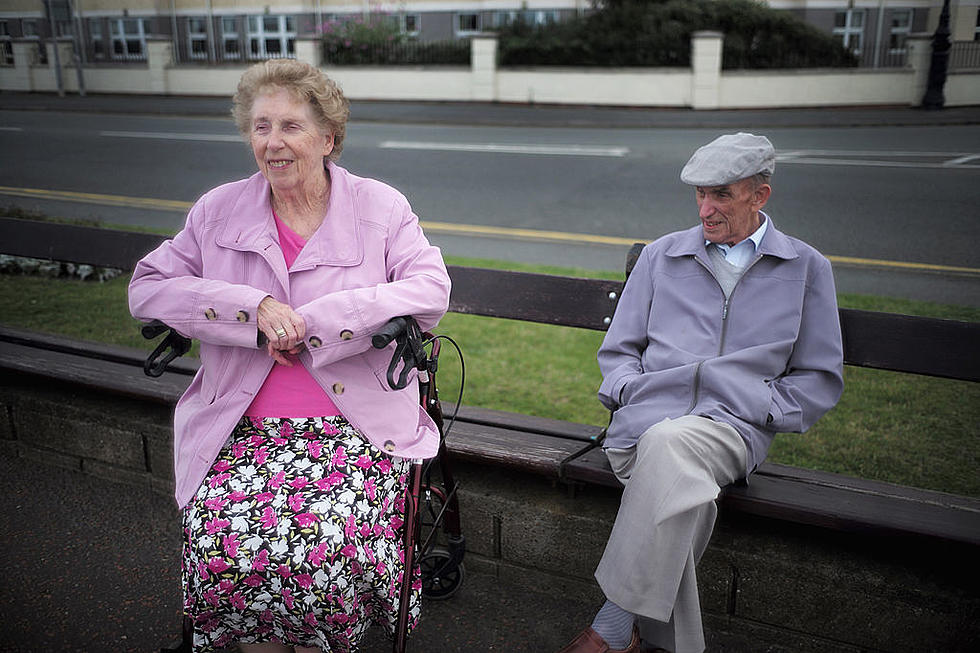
[934, 98]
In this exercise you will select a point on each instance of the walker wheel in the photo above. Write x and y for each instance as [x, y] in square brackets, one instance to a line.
[441, 578]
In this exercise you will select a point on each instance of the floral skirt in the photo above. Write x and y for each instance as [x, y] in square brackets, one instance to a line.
[295, 536]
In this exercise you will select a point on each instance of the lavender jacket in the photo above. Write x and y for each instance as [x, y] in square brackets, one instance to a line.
[367, 263]
[769, 359]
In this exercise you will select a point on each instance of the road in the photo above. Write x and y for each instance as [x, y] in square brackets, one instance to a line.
[894, 206]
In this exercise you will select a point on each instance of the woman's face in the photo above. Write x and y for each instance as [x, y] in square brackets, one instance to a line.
[287, 142]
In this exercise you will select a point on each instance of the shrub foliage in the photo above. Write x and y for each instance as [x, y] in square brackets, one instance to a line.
[658, 33]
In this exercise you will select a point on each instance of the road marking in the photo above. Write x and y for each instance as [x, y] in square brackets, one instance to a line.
[882, 159]
[508, 148]
[11, 129]
[961, 160]
[96, 198]
[173, 136]
[485, 231]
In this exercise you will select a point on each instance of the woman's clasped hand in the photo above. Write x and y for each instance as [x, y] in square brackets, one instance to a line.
[283, 328]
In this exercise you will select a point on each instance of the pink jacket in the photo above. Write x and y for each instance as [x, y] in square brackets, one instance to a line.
[367, 263]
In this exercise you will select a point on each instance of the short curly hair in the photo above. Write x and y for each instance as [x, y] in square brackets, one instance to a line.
[306, 84]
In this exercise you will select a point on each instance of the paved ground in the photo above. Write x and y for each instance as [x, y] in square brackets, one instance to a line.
[93, 565]
[476, 113]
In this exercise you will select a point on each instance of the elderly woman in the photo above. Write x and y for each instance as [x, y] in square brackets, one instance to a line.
[291, 453]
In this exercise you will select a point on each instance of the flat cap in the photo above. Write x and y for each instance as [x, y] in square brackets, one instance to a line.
[728, 159]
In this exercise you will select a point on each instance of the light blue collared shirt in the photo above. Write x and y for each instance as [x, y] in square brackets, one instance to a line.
[741, 254]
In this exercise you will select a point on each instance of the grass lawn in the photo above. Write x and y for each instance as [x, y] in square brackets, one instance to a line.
[900, 428]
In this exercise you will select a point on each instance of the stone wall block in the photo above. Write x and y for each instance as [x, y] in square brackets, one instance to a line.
[80, 435]
[805, 581]
[479, 518]
[732, 635]
[159, 449]
[554, 541]
[49, 457]
[716, 584]
[6, 422]
[115, 473]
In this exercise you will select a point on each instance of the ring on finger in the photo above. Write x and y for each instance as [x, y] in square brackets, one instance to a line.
[281, 333]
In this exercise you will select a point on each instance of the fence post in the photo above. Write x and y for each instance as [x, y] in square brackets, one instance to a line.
[706, 69]
[483, 67]
[919, 53]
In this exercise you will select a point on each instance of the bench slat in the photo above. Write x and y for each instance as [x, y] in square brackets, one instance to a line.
[64, 242]
[543, 298]
[827, 500]
[120, 378]
[905, 343]
[516, 421]
[531, 452]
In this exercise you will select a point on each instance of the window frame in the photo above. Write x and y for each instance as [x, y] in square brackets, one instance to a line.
[849, 31]
[6, 44]
[125, 38]
[97, 38]
[258, 37]
[197, 37]
[231, 36]
[900, 31]
[403, 23]
[459, 31]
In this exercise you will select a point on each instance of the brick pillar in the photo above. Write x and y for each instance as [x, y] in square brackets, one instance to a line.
[308, 49]
[706, 69]
[483, 66]
[159, 58]
[24, 56]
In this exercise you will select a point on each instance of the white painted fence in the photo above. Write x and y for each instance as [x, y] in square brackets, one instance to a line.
[703, 86]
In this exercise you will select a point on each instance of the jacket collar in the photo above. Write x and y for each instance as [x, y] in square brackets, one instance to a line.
[690, 242]
[249, 226]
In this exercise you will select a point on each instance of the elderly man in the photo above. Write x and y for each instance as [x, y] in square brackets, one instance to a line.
[726, 333]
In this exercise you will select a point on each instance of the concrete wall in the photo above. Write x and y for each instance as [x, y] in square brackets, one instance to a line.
[704, 86]
[765, 585]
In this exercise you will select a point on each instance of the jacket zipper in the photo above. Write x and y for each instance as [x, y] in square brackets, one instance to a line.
[724, 324]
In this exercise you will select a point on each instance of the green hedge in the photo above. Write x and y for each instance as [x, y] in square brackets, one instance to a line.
[658, 33]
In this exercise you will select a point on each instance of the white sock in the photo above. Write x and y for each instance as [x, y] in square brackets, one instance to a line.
[614, 625]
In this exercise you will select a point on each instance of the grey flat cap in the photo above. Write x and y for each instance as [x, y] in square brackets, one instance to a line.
[728, 159]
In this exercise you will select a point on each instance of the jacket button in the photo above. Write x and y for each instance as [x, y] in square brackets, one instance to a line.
[389, 446]
[338, 388]
[211, 314]
[315, 342]
[242, 316]
[346, 334]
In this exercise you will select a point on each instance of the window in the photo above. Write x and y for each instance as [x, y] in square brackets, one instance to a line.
[271, 36]
[231, 47]
[6, 47]
[544, 17]
[849, 29]
[29, 27]
[128, 38]
[901, 25]
[410, 24]
[95, 34]
[197, 38]
[467, 24]
[976, 30]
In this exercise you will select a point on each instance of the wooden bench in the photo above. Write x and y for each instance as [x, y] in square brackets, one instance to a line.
[565, 452]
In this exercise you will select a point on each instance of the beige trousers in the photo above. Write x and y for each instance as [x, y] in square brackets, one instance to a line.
[672, 476]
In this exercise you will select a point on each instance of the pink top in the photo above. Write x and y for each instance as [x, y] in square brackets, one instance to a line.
[291, 391]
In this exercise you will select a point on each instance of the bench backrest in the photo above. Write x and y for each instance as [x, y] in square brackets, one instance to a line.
[903, 343]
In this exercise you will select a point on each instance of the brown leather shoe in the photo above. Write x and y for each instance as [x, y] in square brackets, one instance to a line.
[588, 641]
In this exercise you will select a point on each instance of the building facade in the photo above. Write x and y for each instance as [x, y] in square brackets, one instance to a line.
[216, 31]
